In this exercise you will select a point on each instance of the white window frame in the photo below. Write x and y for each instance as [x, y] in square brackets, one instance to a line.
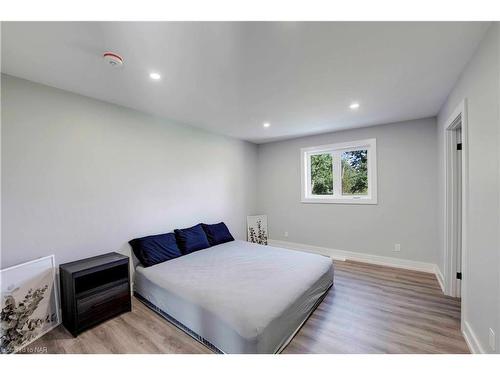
[336, 151]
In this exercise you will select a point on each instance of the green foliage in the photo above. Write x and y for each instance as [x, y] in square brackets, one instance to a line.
[322, 174]
[355, 172]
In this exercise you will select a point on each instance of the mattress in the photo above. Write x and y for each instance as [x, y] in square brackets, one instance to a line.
[238, 297]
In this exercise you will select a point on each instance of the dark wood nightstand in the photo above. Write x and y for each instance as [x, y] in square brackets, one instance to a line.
[94, 290]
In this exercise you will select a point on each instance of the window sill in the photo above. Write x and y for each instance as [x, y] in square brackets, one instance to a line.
[340, 201]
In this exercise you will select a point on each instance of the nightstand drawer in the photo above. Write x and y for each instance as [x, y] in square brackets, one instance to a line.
[95, 300]
[100, 306]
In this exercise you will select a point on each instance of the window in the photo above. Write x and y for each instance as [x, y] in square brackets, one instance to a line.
[340, 173]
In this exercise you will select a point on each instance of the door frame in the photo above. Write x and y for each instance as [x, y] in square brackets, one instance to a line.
[457, 118]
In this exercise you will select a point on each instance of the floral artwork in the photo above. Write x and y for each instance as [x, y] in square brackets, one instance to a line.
[29, 305]
[257, 229]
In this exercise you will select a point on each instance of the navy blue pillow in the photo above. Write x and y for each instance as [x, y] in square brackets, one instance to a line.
[217, 233]
[155, 249]
[191, 239]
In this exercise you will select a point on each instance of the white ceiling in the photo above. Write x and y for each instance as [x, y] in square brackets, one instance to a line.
[231, 77]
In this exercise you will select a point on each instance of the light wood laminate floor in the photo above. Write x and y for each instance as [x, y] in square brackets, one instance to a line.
[370, 309]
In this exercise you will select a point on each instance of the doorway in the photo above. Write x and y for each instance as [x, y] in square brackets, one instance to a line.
[456, 204]
[457, 211]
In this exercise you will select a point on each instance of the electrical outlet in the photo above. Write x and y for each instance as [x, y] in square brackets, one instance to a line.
[492, 339]
[397, 247]
[286, 234]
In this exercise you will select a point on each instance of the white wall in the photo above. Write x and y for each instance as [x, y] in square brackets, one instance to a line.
[480, 86]
[406, 211]
[81, 177]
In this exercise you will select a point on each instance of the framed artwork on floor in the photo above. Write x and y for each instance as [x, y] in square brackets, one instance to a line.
[29, 303]
[257, 229]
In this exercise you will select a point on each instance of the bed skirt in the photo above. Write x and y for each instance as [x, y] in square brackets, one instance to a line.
[207, 343]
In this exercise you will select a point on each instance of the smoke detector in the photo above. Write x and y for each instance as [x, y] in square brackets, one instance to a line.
[113, 59]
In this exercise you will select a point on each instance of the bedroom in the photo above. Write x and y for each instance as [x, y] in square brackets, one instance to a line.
[250, 187]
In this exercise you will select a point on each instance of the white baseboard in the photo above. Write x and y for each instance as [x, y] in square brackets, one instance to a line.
[360, 257]
[471, 339]
[439, 277]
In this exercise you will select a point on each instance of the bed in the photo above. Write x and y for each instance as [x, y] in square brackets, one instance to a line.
[237, 297]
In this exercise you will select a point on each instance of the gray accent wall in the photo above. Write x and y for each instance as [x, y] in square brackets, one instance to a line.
[81, 177]
[479, 84]
[406, 212]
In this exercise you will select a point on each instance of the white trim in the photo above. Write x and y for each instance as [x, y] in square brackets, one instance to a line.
[51, 257]
[439, 277]
[332, 253]
[343, 255]
[450, 169]
[451, 237]
[335, 149]
[471, 339]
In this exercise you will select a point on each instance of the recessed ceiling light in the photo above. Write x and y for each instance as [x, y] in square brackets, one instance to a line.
[266, 125]
[154, 76]
[354, 106]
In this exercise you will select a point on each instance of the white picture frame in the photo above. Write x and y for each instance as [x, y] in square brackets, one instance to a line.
[29, 302]
[257, 229]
